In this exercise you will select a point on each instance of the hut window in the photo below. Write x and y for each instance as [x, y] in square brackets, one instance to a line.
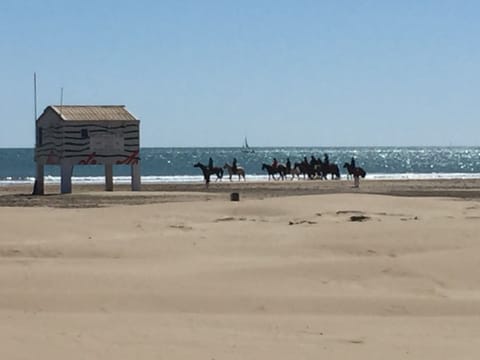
[40, 136]
[84, 133]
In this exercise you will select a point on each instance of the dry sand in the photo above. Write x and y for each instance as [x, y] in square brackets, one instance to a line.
[177, 272]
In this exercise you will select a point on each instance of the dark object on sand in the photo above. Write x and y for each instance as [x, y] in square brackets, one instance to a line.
[359, 218]
[235, 196]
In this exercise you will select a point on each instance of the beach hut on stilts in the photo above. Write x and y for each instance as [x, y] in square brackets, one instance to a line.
[79, 135]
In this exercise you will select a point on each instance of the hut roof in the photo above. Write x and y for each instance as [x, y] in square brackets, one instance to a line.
[93, 113]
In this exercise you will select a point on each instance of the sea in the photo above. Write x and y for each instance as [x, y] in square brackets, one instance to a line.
[175, 165]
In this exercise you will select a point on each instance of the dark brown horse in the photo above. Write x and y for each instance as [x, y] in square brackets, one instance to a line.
[330, 168]
[305, 169]
[209, 171]
[355, 171]
[271, 171]
[323, 169]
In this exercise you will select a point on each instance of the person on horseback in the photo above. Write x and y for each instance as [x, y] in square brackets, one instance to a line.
[234, 165]
[325, 159]
[274, 163]
[352, 162]
[313, 160]
[210, 163]
[288, 164]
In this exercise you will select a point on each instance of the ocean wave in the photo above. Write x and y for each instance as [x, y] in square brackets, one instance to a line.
[83, 180]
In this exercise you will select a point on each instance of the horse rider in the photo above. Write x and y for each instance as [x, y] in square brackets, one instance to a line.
[210, 163]
[288, 164]
[305, 160]
[352, 162]
[234, 165]
[274, 163]
[325, 159]
[313, 160]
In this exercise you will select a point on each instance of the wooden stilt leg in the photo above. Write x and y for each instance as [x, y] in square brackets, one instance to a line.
[108, 177]
[66, 181]
[136, 181]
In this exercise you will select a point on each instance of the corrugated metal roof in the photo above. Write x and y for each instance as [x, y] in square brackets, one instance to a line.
[93, 112]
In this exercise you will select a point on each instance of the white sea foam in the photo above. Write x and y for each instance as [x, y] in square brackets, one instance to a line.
[252, 178]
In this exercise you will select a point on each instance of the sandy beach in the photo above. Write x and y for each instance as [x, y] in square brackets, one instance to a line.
[294, 270]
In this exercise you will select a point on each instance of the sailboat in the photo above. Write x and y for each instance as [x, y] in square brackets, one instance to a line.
[246, 148]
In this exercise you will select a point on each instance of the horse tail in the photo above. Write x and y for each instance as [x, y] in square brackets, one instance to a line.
[362, 173]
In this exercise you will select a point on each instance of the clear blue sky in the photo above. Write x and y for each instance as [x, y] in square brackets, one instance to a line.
[207, 73]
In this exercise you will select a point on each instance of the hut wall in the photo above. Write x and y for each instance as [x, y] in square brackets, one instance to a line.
[49, 138]
[87, 142]
[107, 142]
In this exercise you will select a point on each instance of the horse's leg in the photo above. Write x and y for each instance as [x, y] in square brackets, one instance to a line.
[356, 182]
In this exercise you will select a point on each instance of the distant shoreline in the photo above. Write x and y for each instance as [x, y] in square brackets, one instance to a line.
[185, 179]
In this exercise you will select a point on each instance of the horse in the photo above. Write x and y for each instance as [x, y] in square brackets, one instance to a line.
[279, 169]
[305, 169]
[330, 168]
[207, 172]
[240, 171]
[295, 171]
[357, 172]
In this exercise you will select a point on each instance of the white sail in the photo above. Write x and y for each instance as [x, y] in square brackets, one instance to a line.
[246, 148]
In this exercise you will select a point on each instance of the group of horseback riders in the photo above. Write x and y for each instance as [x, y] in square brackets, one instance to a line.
[313, 168]
[288, 165]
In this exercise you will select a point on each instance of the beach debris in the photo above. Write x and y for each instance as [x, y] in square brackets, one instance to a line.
[181, 226]
[225, 218]
[340, 212]
[359, 218]
[298, 222]
[234, 196]
[409, 218]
